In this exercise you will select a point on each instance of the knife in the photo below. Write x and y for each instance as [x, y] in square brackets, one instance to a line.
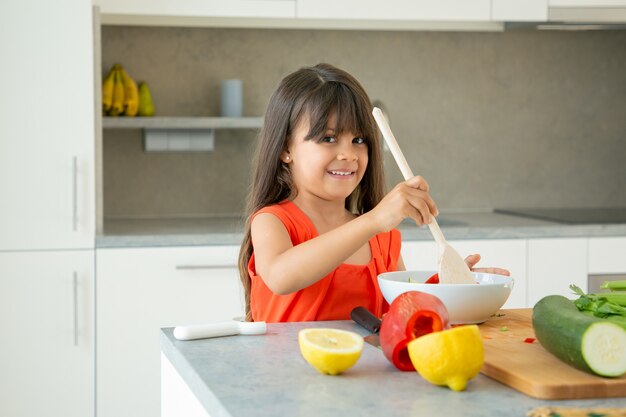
[368, 321]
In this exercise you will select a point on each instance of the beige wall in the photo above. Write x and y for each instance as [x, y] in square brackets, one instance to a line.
[520, 118]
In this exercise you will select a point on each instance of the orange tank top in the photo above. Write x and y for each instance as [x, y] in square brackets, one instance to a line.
[334, 296]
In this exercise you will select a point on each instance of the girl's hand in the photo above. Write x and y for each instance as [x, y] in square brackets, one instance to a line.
[473, 260]
[407, 199]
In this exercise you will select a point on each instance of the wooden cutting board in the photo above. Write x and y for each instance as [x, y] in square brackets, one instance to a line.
[532, 370]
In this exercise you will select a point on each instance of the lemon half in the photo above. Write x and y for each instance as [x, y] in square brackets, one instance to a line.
[330, 351]
[449, 357]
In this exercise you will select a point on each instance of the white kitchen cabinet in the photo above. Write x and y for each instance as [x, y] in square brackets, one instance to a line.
[421, 10]
[47, 321]
[177, 399]
[508, 254]
[123, 11]
[607, 255]
[519, 10]
[420, 255]
[47, 129]
[554, 264]
[304, 14]
[140, 290]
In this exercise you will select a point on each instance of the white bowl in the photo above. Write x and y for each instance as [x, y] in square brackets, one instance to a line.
[466, 303]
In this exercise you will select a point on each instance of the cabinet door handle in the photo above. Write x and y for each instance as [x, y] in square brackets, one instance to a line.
[75, 306]
[75, 193]
[215, 266]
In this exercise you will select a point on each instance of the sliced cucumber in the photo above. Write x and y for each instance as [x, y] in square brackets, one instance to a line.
[604, 349]
[586, 342]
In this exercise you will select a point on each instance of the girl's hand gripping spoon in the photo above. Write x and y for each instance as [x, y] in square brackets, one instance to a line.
[452, 268]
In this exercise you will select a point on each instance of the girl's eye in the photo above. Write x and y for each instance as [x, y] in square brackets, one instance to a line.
[359, 141]
[328, 139]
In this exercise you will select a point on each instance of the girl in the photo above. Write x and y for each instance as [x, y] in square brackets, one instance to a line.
[319, 228]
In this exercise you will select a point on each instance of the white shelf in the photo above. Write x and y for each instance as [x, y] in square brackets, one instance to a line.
[186, 123]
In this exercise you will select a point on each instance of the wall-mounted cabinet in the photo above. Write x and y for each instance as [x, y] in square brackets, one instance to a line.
[485, 15]
[453, 15]
[427, 10]
[519, 10]
[232, 9]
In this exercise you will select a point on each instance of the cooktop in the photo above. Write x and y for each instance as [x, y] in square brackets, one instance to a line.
[571, 215]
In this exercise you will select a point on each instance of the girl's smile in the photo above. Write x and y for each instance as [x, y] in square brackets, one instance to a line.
[342, 174]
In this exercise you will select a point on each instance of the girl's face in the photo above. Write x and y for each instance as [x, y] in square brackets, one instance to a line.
[329, 167]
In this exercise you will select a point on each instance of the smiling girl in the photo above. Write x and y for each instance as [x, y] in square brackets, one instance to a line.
[320, 228]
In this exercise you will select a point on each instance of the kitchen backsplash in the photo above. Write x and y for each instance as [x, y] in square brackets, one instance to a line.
[519, 118]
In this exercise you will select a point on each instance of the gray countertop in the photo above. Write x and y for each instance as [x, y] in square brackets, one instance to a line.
[247, 376]
[228, 230]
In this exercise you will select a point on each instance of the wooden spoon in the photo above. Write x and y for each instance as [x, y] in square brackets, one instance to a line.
[452, 268]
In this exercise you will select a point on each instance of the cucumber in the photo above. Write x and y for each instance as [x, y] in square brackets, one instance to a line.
[589, 343]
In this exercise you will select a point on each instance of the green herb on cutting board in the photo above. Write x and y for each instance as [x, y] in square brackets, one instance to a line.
[609, 305]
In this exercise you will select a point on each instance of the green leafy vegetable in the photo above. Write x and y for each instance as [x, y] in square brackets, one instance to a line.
[610, 306]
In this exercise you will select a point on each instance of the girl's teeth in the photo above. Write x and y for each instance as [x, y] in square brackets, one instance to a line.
[341, 173]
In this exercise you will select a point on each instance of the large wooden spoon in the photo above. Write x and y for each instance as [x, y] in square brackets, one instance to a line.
[452, 268]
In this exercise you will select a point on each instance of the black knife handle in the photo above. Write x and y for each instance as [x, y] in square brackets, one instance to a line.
[366, 319]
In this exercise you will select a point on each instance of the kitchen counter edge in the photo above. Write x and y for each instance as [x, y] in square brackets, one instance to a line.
[207, 237]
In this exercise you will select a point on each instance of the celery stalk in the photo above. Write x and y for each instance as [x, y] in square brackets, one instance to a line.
[614, 285]
[616, 297]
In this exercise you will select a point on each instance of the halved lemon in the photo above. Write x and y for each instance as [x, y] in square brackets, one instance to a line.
[330, 351]
[450, 357]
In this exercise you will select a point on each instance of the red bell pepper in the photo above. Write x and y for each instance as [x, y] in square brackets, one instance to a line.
[411, 315]
[433, 279]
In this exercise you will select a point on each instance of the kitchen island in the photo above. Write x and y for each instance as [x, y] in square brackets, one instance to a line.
[247, 376]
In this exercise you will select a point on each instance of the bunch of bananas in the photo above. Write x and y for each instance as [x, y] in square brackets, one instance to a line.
[122, 97]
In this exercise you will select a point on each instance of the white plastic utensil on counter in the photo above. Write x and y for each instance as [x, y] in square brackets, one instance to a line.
[452, 268]
[218, 329]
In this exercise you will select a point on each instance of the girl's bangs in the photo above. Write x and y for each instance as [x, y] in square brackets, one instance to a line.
[335, 97]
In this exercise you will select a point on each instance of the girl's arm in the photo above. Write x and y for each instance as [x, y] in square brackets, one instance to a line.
[286, 268]
[401, 266]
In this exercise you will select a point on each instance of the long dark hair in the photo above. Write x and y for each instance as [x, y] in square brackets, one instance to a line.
[315, 92]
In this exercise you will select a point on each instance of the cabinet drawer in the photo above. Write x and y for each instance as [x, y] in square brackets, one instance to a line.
[555, 264]
[424, 10]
